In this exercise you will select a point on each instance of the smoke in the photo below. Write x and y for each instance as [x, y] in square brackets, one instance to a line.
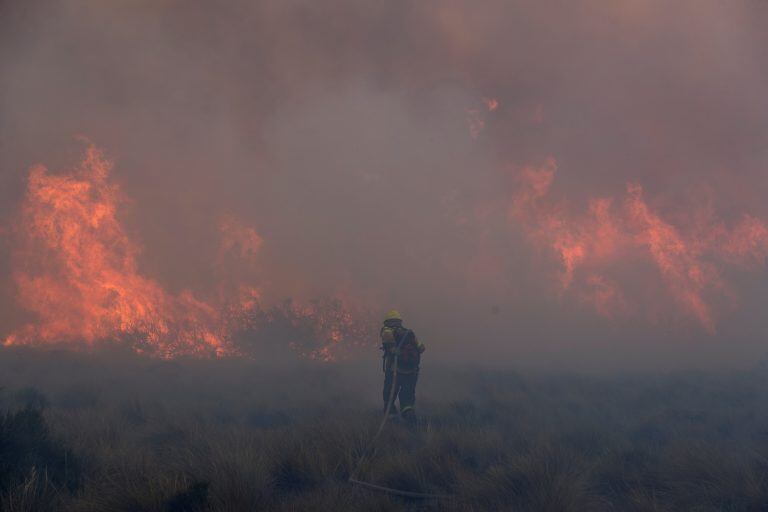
[378, 153]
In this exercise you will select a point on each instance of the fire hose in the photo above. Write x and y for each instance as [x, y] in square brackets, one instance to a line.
[398, 492]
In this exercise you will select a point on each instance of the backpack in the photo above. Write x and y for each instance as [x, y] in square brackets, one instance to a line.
[410, 356]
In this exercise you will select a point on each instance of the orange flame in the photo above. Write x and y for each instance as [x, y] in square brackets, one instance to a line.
[491, 103]
[588, 246]
[687, 274]
[77, 273]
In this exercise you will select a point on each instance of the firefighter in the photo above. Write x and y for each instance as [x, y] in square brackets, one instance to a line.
[397, 340]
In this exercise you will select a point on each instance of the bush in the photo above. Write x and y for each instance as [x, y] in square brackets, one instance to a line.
[33, 466]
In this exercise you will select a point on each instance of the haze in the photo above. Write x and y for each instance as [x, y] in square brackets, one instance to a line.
[393, 153]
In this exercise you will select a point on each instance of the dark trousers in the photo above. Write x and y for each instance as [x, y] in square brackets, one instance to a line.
[405, 389]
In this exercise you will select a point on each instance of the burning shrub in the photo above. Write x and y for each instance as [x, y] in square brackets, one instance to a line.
[76, 269]
[321, 330]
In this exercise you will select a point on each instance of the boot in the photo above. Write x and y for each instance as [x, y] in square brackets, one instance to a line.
[409, 416]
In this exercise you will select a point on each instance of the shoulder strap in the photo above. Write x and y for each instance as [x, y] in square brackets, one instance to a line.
[403, 336]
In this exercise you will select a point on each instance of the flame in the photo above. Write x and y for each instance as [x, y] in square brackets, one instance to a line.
[687, 274]
[330, 321]
[689, 258]
[321, 330]
[76, 272]
[490, 103]
[746, 244]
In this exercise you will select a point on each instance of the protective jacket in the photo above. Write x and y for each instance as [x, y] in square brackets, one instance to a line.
[396, 339]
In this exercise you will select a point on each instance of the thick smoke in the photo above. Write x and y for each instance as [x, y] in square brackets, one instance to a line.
[376, 150]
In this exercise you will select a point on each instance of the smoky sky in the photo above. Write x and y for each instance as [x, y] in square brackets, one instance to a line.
[339, 131]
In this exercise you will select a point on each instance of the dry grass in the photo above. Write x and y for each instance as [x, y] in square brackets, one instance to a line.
[93, 434]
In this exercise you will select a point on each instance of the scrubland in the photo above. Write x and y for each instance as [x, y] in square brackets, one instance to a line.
[115, 432]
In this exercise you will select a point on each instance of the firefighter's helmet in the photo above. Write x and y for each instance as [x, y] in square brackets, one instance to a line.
[392, 314]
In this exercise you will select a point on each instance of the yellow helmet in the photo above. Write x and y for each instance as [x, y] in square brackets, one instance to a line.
[392, 314]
